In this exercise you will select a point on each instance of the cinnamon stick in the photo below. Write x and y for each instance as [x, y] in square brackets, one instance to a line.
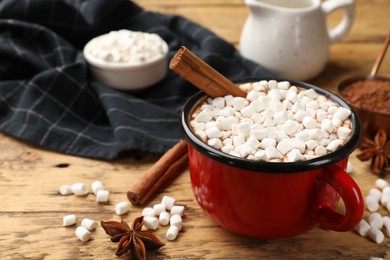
[170, 163]
[203, 76]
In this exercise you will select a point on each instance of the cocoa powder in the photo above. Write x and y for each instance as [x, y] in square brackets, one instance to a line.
[370, 94]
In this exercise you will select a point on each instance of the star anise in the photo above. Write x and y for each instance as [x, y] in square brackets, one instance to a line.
[134, 239]
[378, 150]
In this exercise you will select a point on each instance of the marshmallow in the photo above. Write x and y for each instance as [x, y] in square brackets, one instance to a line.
[151, 223]
[96, 186]
[177, 210]
[371, 203]
[267, 142]
[272, 153]
[381, 183]
[311, 145]
[375, 258]
[227, 148]
[272, 84]
[342, 113]
[158, 208]
[239, 103]
[309, 122]
[362, 228]
[164, 218]
[385, 199]
[169, 202]
[303, 135]
[349, 167]
[375, 193]
[65, 190]
[290, 127]
[333, 145]
[321, 115]
[280, 117]
[375, 220]
[83, 234]
[215, 142]
[102, 195]
[283, 85]
[88, 224]
[121, 208]
[79, 189]
[300, 115]
[204, 116]
[172, 233]
[284, 146]
[218, 102]
[376, 235]
[69, 220]
[343, 132]
[148, 212]
[295, 155]
[177, 221]
[247, 111]
[311, 93]
[327, 125]
[320, 150]
[386, 190]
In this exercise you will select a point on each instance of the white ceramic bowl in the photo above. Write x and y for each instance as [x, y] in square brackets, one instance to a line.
[130, 76]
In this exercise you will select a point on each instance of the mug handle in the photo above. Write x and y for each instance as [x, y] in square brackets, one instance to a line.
[340, 30]
[350, 194]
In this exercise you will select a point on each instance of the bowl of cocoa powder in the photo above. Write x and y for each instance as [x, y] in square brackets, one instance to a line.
[370, 98]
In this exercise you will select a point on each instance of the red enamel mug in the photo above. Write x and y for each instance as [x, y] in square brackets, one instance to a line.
[274, 200]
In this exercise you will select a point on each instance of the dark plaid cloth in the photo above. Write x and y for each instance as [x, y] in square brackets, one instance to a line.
[47, 96]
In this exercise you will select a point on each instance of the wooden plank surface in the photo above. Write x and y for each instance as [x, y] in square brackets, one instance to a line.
[31, 209]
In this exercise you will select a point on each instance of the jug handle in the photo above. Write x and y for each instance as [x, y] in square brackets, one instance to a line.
[340, 30]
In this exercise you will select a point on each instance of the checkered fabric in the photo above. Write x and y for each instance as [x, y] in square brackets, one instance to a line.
[48, 98]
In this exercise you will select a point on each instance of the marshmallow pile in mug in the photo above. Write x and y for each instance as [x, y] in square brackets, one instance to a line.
[276, 122]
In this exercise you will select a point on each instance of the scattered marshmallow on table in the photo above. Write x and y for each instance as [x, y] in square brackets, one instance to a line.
[96, 186]
[83, 234]
[177, 221]
[158, 208]
[381, 183]
[172, 232]
[102, 195]
[69, 220]
[88, 224]
[65, 190]
[376, 224]
[375, 193]
[79, 189]
[375, 258]
[372, 203]
[169, 202]
[151, 223]
[122, 208]
[375, 220]
[362, 228]
[148, 212]
[376, 235]
[177, 210]
[164, 218]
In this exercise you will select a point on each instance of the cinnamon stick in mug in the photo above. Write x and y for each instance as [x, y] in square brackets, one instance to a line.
[170, 163]
[203, 76]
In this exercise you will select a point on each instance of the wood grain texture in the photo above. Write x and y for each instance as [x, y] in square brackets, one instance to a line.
[31, 210]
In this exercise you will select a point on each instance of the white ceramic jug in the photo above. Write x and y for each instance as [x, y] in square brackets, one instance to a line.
[291, 37]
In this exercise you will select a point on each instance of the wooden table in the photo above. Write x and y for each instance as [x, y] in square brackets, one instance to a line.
[31, 210]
